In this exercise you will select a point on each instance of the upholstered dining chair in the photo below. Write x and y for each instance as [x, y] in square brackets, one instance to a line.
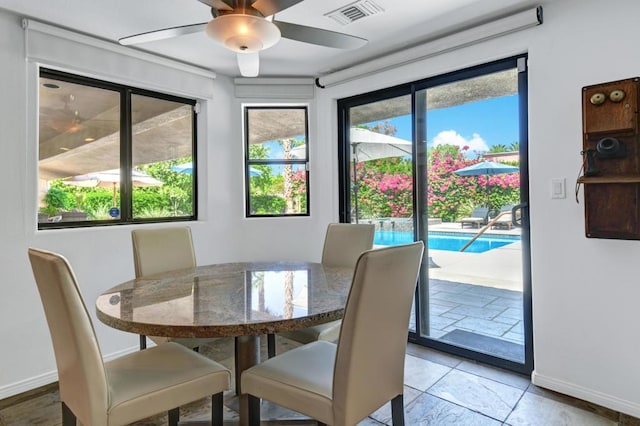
[340, 384]
[343, 244]
[125, 389]
[161, 250]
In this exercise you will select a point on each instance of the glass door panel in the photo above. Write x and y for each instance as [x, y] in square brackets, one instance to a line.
[381, 170]
[473, 297]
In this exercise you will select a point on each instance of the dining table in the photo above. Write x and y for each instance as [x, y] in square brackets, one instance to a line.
[243, 300]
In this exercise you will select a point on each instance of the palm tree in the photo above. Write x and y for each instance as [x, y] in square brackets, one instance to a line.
[498, 148]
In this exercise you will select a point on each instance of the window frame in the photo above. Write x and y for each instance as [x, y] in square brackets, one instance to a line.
[248, 162]
[125, 149]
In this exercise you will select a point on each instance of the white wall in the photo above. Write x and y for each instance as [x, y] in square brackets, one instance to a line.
[585, 291]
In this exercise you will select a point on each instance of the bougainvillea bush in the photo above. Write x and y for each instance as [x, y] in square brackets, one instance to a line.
[385, 188]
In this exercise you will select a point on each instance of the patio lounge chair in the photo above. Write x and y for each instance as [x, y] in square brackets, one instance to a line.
[504, 221]
[479, 216]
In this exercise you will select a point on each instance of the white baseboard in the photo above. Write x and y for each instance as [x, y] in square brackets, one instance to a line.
[608, 401]
[49, 377]
[28, 384]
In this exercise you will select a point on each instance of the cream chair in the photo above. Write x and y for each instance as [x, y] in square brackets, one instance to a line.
[340, 384]
[343, 244]
[128, 388]
[160, 250]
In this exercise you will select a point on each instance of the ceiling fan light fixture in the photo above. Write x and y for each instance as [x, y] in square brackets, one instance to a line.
[243, 33]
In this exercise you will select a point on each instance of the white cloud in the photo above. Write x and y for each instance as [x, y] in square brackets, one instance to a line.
[451, 137]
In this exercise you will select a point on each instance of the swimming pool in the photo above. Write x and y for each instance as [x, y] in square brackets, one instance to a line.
[449, 241]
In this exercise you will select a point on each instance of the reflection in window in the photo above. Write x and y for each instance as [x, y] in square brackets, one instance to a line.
[83, 149]
[162, 146]
[279, 294]
[276, 161]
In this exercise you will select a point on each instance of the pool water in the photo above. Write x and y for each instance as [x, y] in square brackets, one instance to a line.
[449, 241]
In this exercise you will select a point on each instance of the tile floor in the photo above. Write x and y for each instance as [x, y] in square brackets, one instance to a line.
[440, 389]
[496, 313]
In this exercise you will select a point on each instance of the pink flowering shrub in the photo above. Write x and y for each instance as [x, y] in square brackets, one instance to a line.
[449, 196]
[299, 183]
[385, 187]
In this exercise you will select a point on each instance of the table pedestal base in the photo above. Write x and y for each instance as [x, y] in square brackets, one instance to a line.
[247, 355]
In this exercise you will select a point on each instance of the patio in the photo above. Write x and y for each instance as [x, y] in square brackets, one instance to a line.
[475, 299]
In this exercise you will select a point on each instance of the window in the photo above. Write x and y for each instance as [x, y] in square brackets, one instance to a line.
[109, 153]
[276, 159]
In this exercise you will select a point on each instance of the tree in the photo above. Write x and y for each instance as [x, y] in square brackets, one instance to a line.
[498, 148]
[288, 174]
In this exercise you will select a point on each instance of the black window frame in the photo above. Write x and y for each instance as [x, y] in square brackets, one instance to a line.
[126, 146]
[248, 162]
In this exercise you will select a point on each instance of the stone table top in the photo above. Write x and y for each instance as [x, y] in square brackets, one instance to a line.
[228, 299]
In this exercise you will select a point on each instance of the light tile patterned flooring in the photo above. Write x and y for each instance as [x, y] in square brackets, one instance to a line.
[440, 390]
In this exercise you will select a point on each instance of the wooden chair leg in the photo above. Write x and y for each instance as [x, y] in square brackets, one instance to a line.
[174, 416]
[217, 409]
[143, 342]
[397, 410]
[271, 345]
[254, 410]
[68, 418]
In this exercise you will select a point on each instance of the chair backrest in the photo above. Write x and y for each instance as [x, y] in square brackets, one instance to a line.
[481, 212]
[81, 373]
[162, 249]
[369, 369]
[345, 242]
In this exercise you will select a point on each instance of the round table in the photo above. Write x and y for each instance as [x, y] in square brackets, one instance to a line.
[243, 300]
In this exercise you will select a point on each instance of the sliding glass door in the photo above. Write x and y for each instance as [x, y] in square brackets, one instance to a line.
[444, 161]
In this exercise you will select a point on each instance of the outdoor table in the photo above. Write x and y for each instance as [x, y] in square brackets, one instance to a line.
[241, 300]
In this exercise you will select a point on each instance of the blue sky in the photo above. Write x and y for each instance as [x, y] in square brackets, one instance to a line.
[479, 124]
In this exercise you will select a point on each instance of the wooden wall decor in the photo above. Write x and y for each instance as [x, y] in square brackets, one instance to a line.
[610, 146]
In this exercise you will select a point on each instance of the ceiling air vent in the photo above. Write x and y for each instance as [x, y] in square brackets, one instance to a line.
[354, 11]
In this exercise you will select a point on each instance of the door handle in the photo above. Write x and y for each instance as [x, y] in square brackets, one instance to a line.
[517, 213]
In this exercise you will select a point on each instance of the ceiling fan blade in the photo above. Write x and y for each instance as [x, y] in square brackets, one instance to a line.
[270, 7]
[249, 64]
[162, 34]
[217, 4]
[319, 36]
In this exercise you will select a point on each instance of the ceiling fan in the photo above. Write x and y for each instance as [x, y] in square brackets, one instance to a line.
[247, 27]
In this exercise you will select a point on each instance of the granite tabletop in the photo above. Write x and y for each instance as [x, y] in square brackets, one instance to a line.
[229, 299]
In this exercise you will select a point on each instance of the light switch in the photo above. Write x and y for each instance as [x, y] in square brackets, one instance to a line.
[558, 189]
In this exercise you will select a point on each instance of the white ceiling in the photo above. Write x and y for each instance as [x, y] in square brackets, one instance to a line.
[403, 23]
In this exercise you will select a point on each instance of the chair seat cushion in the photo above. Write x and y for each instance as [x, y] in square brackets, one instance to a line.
[329, 331]
[147, 382]
[301, 377]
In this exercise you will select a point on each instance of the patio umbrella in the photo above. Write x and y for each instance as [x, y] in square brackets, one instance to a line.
[111, 179]
[486, 168]
[188, 169]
